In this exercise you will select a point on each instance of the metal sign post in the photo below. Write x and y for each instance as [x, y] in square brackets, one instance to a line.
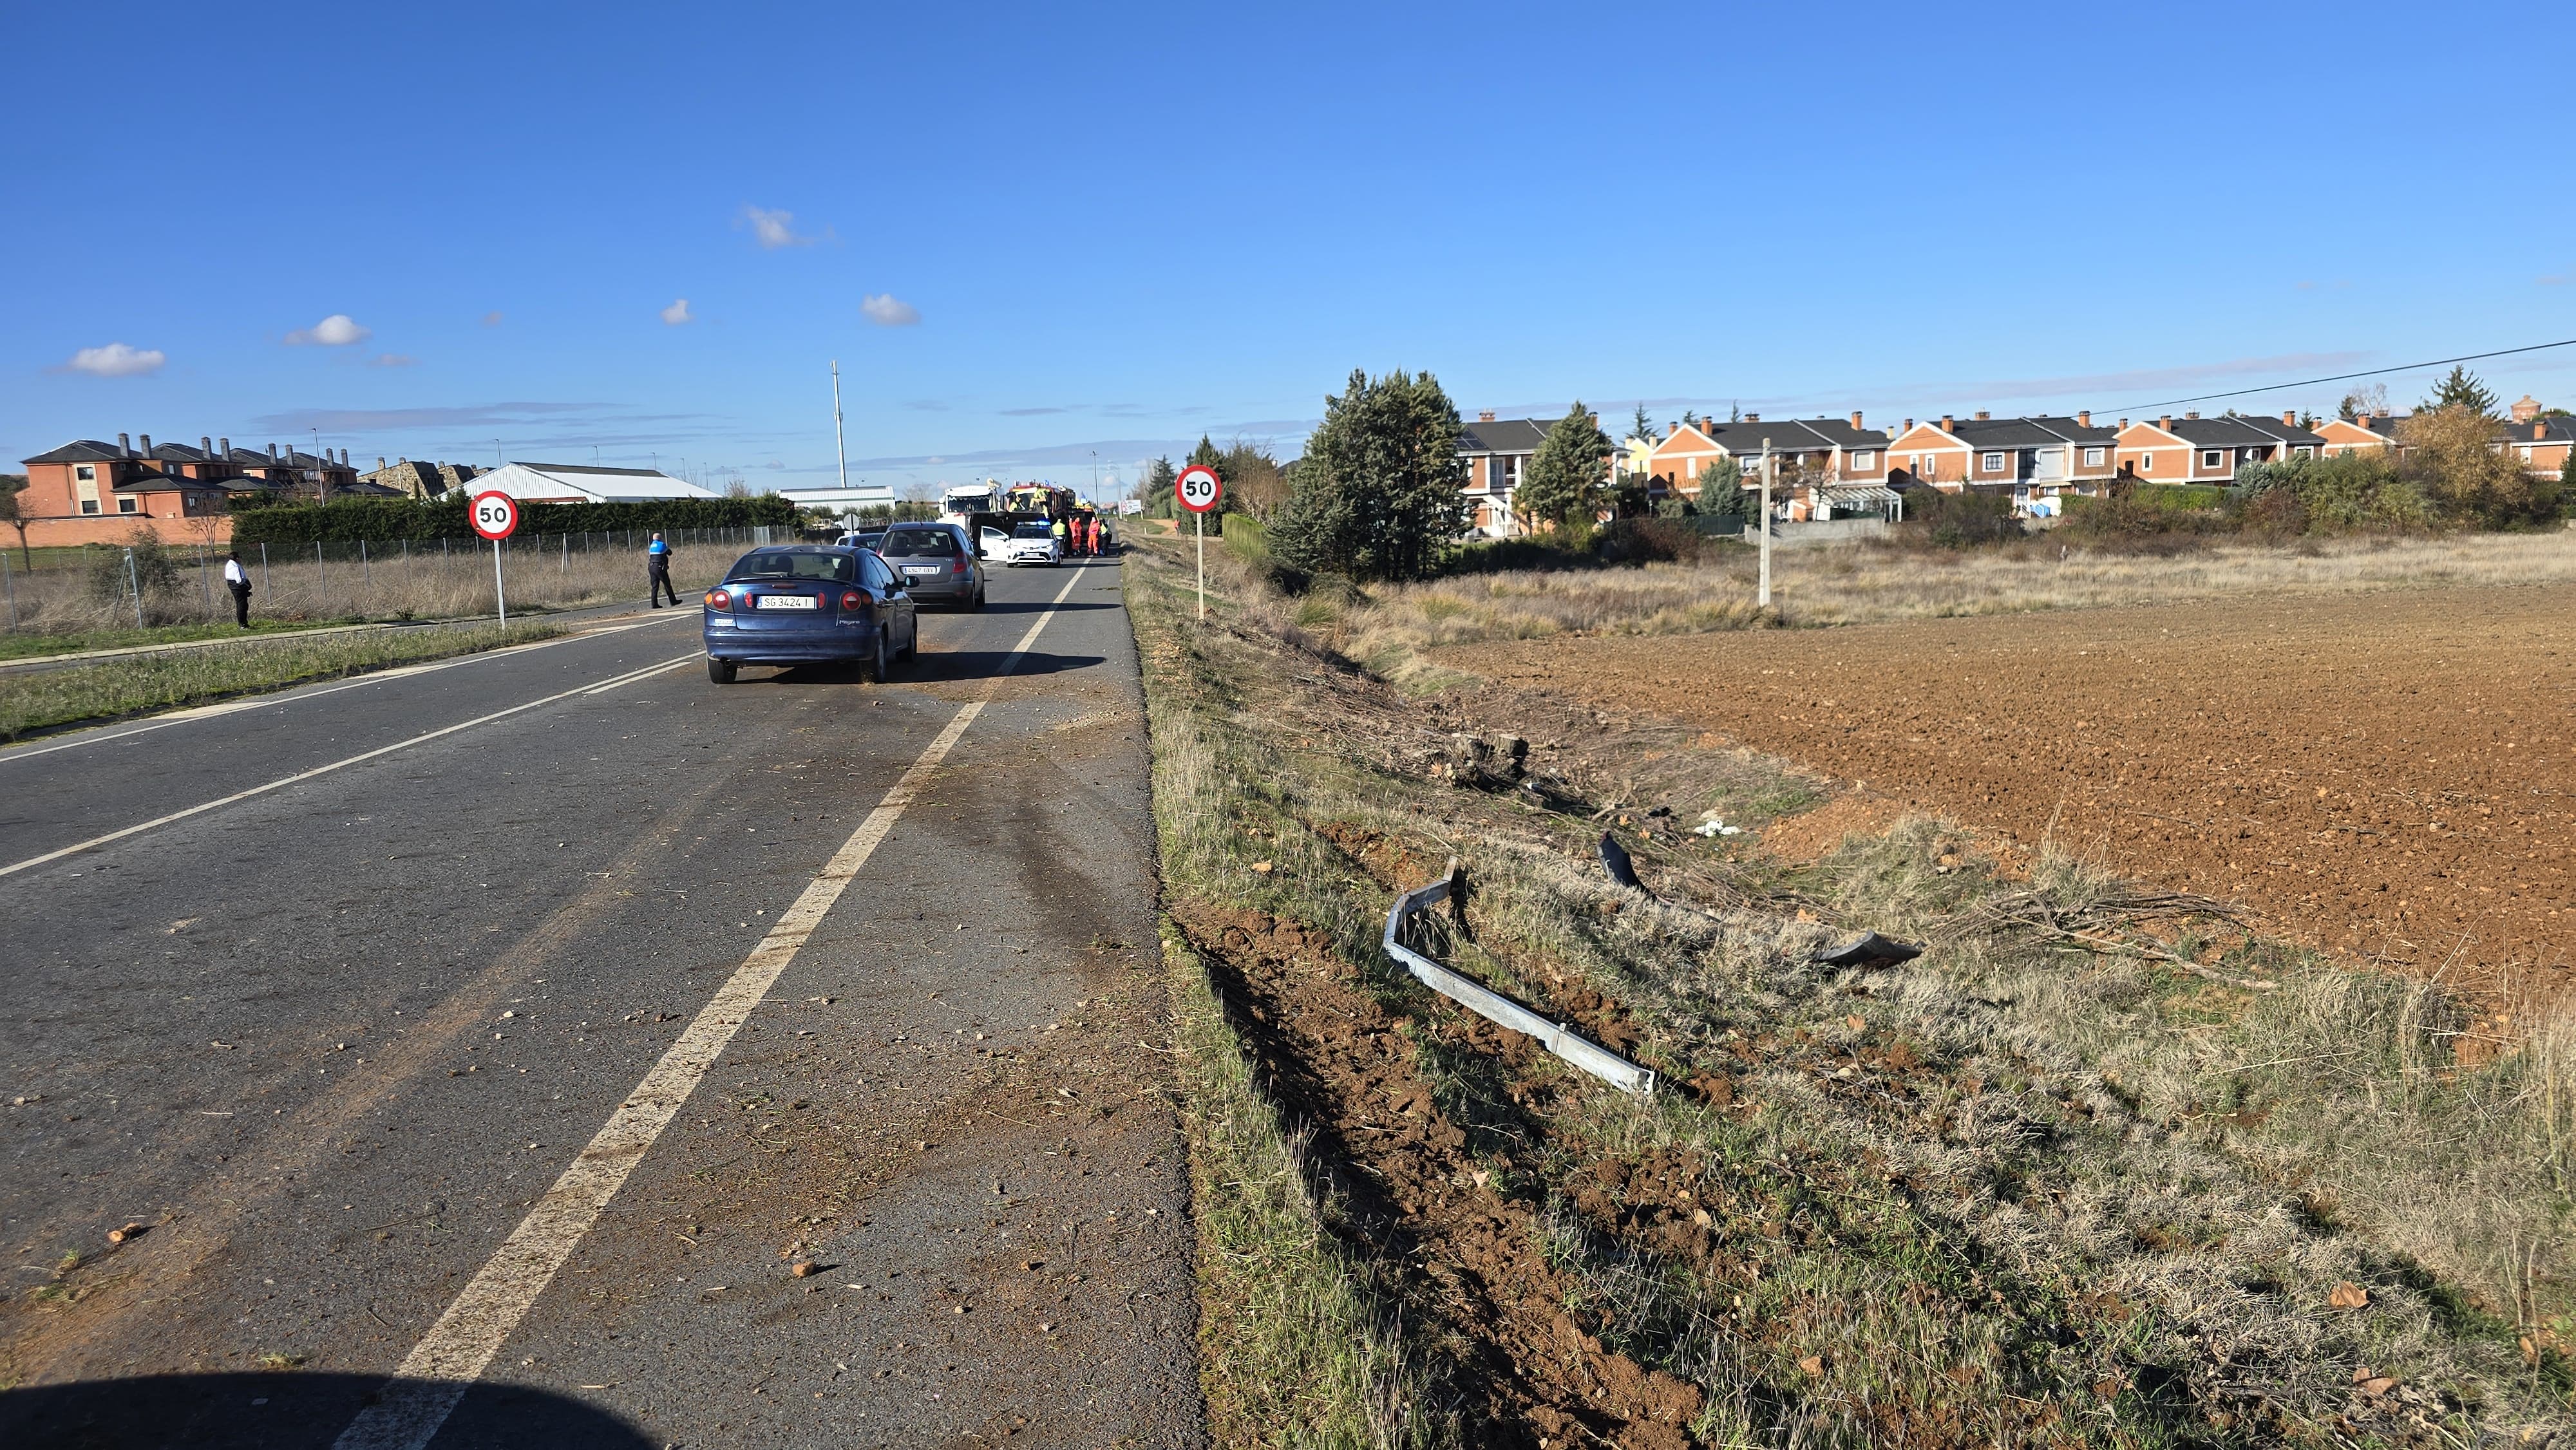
[1198, 489]
[495, 516]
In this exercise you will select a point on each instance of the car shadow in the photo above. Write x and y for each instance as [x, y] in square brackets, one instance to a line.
[287, 1410]
[932, 666]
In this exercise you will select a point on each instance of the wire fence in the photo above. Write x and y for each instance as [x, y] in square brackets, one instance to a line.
[110, 586]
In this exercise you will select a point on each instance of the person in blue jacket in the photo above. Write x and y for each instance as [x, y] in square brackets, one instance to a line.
[657, 569]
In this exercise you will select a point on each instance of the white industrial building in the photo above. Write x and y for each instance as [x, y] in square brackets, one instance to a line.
[585, 483]
[838, 501]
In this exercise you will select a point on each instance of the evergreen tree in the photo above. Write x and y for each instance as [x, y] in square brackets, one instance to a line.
[1565, 476]
[1208, 455]
[2461, 390]
[1380, 492]
[1721, 488]
[1642, 426]
[1157, 488]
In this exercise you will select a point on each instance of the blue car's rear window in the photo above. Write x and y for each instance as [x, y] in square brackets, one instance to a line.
[783, 564]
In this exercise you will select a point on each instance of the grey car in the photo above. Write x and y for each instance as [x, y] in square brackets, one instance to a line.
[937, 562]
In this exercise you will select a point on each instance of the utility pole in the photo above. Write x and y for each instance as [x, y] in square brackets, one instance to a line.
[838, 444]
[1770, 466]
[321, 482]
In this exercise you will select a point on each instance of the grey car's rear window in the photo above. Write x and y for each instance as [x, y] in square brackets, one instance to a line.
[781, 564]
[918, 544]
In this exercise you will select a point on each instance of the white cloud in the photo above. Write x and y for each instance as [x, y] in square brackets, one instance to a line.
[116, 360]
[883, 310]
[337, 330]
[677, 312]
[392, 360]
[774, 229]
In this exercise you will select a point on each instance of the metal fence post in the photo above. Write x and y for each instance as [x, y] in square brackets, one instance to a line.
[136, 582]
[366, 576]
[205, 586]
[9, 579]
[263, 566]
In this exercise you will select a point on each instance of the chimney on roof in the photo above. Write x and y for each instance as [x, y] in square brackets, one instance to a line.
[1855, 420]
[225, 446]
[2289, 417]
[380, 463]
[205, 444]
[272, 453]
[2362, 418]
[1487, 416]
[2194, 413]
[2165, 422]
[2084, 419]
[1948, 423]
[1983, 415]
[1752, 417]
[147, 443]
[2539, 430]
[344, 458]
[124, 445]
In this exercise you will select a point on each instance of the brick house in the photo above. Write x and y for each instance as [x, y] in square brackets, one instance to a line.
[93, 492]
[1498, 453]
[2541, 444]
[2036, 460]
[2194, 449]
[1825, 463]
[2349, 435]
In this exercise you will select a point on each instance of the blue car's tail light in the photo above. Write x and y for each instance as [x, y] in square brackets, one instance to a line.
[719, 599]
[852, 601]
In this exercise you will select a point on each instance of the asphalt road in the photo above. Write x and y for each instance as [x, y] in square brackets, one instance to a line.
[387, 980]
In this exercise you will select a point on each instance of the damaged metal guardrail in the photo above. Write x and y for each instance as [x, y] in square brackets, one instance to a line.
[1556, 1037]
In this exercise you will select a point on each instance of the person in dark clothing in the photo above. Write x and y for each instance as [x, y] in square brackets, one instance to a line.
[657, 569]
[239, 583]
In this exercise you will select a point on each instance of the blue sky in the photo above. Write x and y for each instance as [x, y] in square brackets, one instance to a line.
[1032, 234]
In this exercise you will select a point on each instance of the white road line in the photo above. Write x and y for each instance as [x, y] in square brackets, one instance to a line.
[624, 680]
[110, 735]
[94, 842]
[457, 1349]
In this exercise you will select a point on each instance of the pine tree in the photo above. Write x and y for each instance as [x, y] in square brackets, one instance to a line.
[1566, 475]
[2461, 390]
[1642, 426]
[1208, 455]
[1380, 493]
[1721, 488]
[1157, 491]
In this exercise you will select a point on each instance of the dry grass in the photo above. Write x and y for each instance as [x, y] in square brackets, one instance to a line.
[132, 685]
[404, 582]
[2033, 1190]
[1862, 583]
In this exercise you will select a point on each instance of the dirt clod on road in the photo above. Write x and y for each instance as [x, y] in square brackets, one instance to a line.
[2386, 776]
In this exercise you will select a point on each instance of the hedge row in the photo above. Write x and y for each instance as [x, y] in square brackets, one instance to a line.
[351, 519]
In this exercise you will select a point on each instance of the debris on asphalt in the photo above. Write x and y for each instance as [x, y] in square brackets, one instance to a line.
[130, 1231]
[1869, 949]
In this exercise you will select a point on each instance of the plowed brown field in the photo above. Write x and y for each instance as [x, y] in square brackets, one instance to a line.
[2388, 775]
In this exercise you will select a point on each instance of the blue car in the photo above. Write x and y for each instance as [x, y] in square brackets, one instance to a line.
[805, 604]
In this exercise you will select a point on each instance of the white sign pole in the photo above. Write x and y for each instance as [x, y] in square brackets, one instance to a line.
[497, 595]
[1762, 596]
[1198, 526]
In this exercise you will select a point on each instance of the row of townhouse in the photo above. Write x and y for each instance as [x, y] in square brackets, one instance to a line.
[1840, 467]
[89, 491]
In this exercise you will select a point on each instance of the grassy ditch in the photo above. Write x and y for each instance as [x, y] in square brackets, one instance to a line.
[2098, 1168]
[36, 646]
[39, 699]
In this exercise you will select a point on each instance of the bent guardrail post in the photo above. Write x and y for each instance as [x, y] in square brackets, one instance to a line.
[1556, 1037]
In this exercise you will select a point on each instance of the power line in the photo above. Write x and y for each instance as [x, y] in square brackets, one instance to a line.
[2337, 378]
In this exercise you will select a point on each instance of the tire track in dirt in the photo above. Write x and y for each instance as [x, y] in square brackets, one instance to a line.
[2387, 776]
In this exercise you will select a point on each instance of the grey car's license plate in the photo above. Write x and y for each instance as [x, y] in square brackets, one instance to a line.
[923, 569]
[785, 601]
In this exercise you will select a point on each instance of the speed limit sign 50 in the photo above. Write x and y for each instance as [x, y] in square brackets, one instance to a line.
[495, 515]
[1199, 488]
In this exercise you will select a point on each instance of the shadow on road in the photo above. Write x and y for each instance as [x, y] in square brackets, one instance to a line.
[283, 1411]
[933, 667]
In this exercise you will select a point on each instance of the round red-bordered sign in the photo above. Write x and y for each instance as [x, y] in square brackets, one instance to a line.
[1198, 488]
[495, 515]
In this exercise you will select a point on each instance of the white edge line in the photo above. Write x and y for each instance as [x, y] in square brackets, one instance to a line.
[102, 736]
[460, 1346]
[94, 842]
